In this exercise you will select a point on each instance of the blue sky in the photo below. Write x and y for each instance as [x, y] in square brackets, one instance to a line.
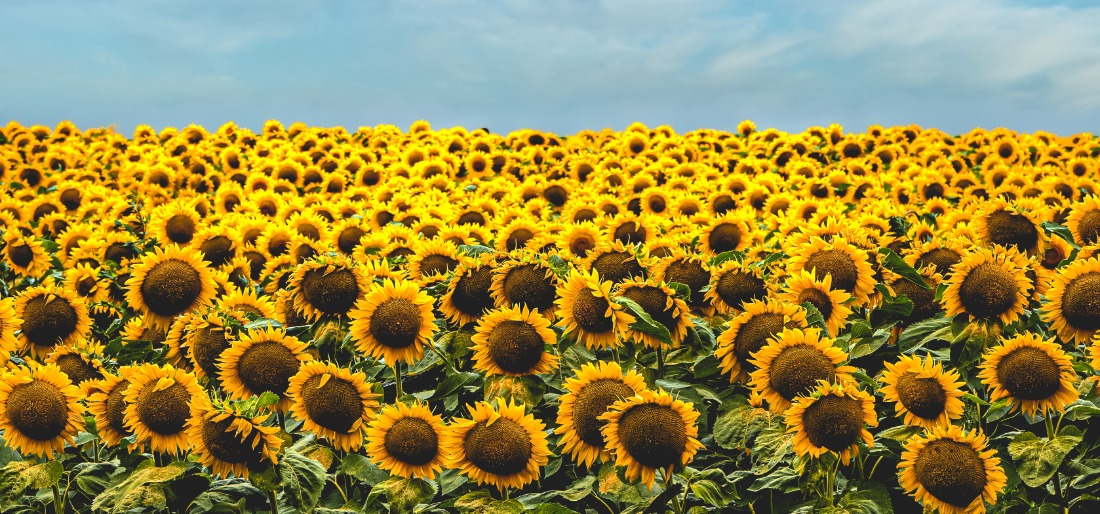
[560, 66]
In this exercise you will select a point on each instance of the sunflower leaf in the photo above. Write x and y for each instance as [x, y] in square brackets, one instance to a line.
[301, 480]
[1061, 231]
[682, 290]
[814, 317]
[731, 255]
[1037, 460]
[644, 322]
[146, 488]
[474, 250]
[896, 264]
[713, 487]
[772, 257]
[481, 501]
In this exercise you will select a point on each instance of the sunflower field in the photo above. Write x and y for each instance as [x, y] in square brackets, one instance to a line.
[316, 320]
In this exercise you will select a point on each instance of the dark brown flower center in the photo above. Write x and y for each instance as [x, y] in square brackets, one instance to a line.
[924, 397]
[224, 444]
[833, 422]
[77, 369]
[473, 292]
[592, 402]
[1028, 373]
[819, 299]
[630, 232]
[736, 287]
[171, 287]
[166, 411]
[654, 435]
[217, 250]
[412, 441]
[590, 312]
[519, 238]
[334, 293]
[924, 300]
[951, 471]
[180, 228]
[502, 448]
[692, 274]
[515, 346]
[1081, 302]
[349, 238]
[618, 266]
[116, 408]
[797, 369]
[1089, 227]
[437, 264]
[653, 301]
[581, 244]
[942, 258]
[530, 285]
[20, 254]
[38, 410]
[988, 291]
[267, 366]
[396, 323]
[725, 237]
[47, 323]
[207, 346]
[753, 335]
[1012, 230]
[336, 406]
[838, 264]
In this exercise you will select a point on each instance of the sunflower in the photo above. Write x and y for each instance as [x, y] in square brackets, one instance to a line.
[733, 284]
[328, 286]
[262, 360]
[650, 431]
[951, 470]
[1036, 375]
[169, 282]
[175, 223]
[804, 287]
[845, 262]
[207, 337]
[86, 282]
[730, 231]
[1084, 220]
[9, 322]
[51, 316]
[81, 362]
[791, 364]
[1000, 223]
[595, 387]
[588, 314]
[988, 285]
[513, 341]
[941, 254]
[432, 260]
[831, 418]
[405, 441]
[616, 262]
[516, 234]
[41, 409]
[229, 442]
[498, 445]
[25, 255]
[749, 331]
[333, 403]
[580, 238]
[1073, 306]
[158, 406]
[527, 281]
[469, 293]
[690, 270]
[660, 303]
[245, 302]
[106, 402]
[923, 391]
[393, 322]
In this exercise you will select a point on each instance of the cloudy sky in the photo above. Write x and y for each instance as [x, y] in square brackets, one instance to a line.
[560, 66]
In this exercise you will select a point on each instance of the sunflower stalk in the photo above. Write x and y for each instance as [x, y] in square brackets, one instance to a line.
[397, 379]
[58, 505]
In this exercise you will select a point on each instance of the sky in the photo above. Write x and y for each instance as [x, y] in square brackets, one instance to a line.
[560, 66]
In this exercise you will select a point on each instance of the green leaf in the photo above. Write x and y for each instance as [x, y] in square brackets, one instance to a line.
[770, 448]
[923, 332]
[895, 263]
[772, 257]
[1038, 459]
[781, 480]
[93, 477]
[682, 290]
[814, 317]
[713, 487]
[474, 250]
[865, 497]
[737, 423]
[481, 502]
[721, 258]
[145, 489]
[1056, 229]
[238, 497]
[644, 322]
[266, 399]
[362, 469]
[404, 494]
[301, 482]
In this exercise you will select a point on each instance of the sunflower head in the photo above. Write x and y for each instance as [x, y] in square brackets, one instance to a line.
[333, 403]
[1037, 375]
[793, 362]
[588, 313]
[749, 331]
[951, 470]
[328, 285]
[259, 361]
[595, 387]
[651, 431]
[988, 285]
[81, 362]
[498, 444]
[229, 441]
[923, 391]
[1072, 308]
[513, 341]
[803, 287]
[51, 316]
[1000, 223]
[39, 409]
[734, 284]
[831, 418]
[107, 403]
[169, 282]
[526, 281]
[661, 303]
[406, 440]
[393, 322]
[616, 262]
[469, 292]
[687, 269]
[158, 406]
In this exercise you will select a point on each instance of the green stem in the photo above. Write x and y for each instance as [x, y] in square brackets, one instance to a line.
[1050, 427]
[58, 506]
[1058, 426]
[605, 505]
[442, 357]
[660, 362]
[873, 468]
[397, 375]
[271, 497]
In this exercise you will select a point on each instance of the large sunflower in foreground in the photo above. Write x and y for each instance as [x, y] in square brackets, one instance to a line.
[832, 303]
[406, 441]
[988, 285]
[329, 285]
[393, 322]
[1073, 306]
[259, 361]
[229, 442]
[847, 264]
[333, 402]
[498, 445]
[107, 403]
[661, 303]
[587, 313]
[651, 431]
[595, 387]
[923, 391]
[51, 316]
[749, 331]
[169, 282]
[951, 470]
[40, 410]
[513, 341]
[1037, 375]
[793, 362]
[469, 293]
[831, 418]
[158, 406]
[1084, 220]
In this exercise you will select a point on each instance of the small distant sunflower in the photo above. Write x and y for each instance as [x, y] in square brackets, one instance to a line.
[41, 410]
[513, 341]
[998, 222]
[1037, 375]
[832, 303]
[1084, 220]
[333, 402]
[51, 316]
[616, 262]
[217, 244]
[499, 445]
[651, 431]
[87, 283]
[245, 302]
[792, 363]
[158, 406]
[328, 286]
[526, 280]
[587, 313]
[831, 418]
[951, 470]
[845, 262]
[579, 239]
[595, 387]
[106, 402]
[733, 284]
[229, 442]
[406, 440]
[469, 293]
[393, 322]
[988, 285]
[749, 331]
[176, 223]
[941, 254]
[169, 282]
[690, 270]
[923, 391]
[730, 231]
[1073, 306]
[432, 260]
[25, 255]
[660, 303]
[259, 361]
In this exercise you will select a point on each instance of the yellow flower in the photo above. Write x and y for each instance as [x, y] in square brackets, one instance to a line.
[831, 418]
[406, 440]
[591, 392]
[951, 470]
[393, 322]
[498, 445]
[651, 431]
[1036, 375]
